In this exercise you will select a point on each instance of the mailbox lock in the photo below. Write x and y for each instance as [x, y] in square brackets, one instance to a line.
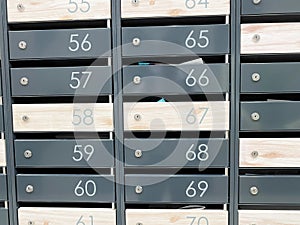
[28, 154]
[25, 118]
[22, 45]
[255, 77]
[24, 81]
[135, 2]
[254, 154]
[256, 2]
[255, 116]
[138, 189]
[138, 153]
[137, 80]
[30, 223]
[136, 41]
[254, 190]
[137, 117]
[20, 7]
[256, 38]
[29, 189]
[139, 223]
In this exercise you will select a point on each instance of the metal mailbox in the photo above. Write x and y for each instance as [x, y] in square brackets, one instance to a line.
[175, 40]
[61, 81]
[176, 79]
[62, 153]
[1, 118]
[2, 153]
[3, 188]
[55, 10]
[4, 216]
[270, 116]
[197, 153]
[65, 188]
[278, 189]
[268, 78]
[62, 216]
[176, 216]
[156, 188]
[63, 43]
[250, 7]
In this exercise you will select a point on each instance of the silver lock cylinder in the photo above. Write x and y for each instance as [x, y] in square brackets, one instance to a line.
[135, 2]
[20, 7]
[30, 223]
[137, 117]
[24, 81]
[254, 154]
[29, 189]
[254, 190]
[255, 77]
[137, 80]
[136, 41]
[27, 154]
[255, 116]
[138, 153]
[138, 189]
[25, 118]
[256, 2]
[22, 45]
[256, 38]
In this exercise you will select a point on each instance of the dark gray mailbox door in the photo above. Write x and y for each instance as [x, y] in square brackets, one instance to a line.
[3, 188]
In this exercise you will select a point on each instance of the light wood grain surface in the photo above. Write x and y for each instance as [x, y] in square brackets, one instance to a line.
[173, 8]
[66, 216]
[59, 117]
[177, 116]
[175, 216]
[57, 10]
[2, 153]
[273, 38]
[272, 152]
[269, 217]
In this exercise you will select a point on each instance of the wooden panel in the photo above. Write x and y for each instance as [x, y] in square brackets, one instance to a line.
[63, 117]
[173, 8]
[2, 153]
[270, 152]
[269, 217]
[273, 38]
[176, 116]
[66, 216]
[176, 216]
[52, 10]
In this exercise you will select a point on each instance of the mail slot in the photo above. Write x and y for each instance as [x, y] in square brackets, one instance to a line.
[270, 38]
[176, 216]
[61, 81]
[64, 43]
[171, 8]
[175, 40]
[250, 7]
[268, 78]
[62, 216]
[4, 216]
[56, 10]
[2, 153]
[63, 153]
[277, 189]
[270, 116]
[177, 79]
[259, 217]
[3, 188]
[270, 152]
[63, 117]
[65, 188]
[176, 188]
[197, 153]
[176, 116]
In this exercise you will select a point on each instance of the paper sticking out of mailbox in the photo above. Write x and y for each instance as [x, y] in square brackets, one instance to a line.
[191, 62]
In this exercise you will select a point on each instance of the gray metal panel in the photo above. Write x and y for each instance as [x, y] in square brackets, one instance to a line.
[172, 188]
[56, 81]
[1, 118]
[60, 153]
[43, 44]
[3, 188]
[271, 189]
[0, 81]
[274, 116]
[4, 216]
[61, 188]
[274, 78]
[171, 40]
[270, 7]
[162, 79]
[172, 153]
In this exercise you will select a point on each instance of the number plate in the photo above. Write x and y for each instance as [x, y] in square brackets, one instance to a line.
[268, 78]
[283, 217]
[80, 153]
[3, 188]
[68, 43]
[176, 116]
[269, 38]
[2, 153]
[63, 117]
[57, 10]
[65, 188]
[175, 40]
[62, 216]
[176, 189]
[276, 189]
[176, 217]
[162, 79]
[4, 216]
[62, 81]
[173, 8]
[198, 153]
[269, 152]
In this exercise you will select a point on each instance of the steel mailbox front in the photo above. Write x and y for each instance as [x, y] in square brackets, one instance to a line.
[4, 216]
[3, 188]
